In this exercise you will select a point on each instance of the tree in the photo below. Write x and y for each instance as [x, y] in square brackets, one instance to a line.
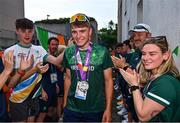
[108, 36]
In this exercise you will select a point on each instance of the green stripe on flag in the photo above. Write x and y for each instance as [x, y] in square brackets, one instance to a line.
[176, 50]
[42, 35]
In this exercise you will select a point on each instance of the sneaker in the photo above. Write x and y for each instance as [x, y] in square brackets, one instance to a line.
[125, 117]
[122, 112]
[120, 102]
[116, 87]
[60, 119]
[119, 107]
[124, 121]
[119, 97]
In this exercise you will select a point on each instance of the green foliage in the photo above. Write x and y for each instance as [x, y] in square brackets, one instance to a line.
[58, 21]
[108, 36]
[54, 21]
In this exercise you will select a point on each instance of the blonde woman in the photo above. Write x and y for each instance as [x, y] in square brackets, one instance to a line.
[160, 100]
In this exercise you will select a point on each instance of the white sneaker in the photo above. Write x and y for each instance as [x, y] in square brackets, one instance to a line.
[125, 118]
[122, 112]
[116, 87]
[124, 121]
[60, 119]
[119, 97]
[119, 107]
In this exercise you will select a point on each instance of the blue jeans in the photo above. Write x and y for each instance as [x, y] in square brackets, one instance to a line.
[72, 116]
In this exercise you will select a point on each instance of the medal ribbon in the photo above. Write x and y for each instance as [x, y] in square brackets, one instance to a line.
[83, 69]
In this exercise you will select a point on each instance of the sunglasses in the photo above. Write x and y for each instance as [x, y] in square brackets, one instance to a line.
[141, 27]
[79, 17]
[157, 39]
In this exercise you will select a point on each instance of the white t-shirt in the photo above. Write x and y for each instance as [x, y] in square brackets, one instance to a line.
[31, 85]
[38, 52]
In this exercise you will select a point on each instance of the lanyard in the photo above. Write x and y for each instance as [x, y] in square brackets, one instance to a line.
[83, 69]
[53, 69]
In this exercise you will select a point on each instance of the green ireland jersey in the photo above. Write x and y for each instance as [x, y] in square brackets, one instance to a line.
[165, 90]
[100, 60]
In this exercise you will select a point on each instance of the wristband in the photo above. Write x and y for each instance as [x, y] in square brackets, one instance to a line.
[21, 72]
[133, 88]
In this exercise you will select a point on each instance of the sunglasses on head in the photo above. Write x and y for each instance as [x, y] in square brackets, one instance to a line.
[158, 39]
[79, 17]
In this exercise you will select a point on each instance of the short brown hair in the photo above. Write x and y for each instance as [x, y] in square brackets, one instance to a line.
[24, 23]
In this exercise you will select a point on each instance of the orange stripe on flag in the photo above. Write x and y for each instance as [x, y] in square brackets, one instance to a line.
[61, 39]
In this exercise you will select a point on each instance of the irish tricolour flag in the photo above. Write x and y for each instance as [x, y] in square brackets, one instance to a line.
[176, 56]
[43, 35]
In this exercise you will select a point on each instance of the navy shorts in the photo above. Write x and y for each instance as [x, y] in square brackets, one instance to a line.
[72, 116]
[51, 102]
[21, 111]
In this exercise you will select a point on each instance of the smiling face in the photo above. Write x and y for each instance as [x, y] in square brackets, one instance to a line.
[25, 36]
[152, 57]
[139, 38]
[81, 35]
[53, 46]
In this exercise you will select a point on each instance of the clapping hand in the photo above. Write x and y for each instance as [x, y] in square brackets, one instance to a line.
[42, 68]
[118, 62]
[131, 77]
[8, 60]
[26, 63]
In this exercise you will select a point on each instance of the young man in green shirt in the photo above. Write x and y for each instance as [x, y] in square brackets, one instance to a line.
[88, 83]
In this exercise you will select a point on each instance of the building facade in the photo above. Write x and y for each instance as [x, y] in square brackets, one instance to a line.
[162, 15]
[65, 29]
[10, 10]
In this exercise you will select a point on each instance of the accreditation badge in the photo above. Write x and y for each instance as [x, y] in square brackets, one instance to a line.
[53, 77]
[81, 90]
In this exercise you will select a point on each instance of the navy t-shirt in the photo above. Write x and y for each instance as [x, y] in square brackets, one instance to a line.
[47, 85]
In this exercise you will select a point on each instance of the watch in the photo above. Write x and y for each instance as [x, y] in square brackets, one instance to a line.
[133, 88]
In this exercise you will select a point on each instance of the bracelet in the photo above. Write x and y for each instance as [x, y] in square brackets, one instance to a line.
[21, 72]
[133, 88]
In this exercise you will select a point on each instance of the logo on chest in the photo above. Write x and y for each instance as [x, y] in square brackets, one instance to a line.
[75, 67]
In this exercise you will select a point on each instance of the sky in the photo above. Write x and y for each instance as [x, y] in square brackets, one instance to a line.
[102, 10]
